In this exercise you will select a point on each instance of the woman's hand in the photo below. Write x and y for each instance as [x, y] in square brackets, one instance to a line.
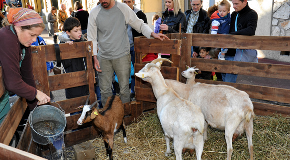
[42, 97]
[164, 27]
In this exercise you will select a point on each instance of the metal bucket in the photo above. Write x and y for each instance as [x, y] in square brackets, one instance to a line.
[47, 124]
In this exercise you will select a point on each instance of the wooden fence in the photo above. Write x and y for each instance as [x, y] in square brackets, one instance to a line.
[74, 134]
[180, 48]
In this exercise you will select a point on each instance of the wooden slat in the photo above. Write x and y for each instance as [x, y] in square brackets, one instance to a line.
[2, 88]
[145, 45]
[257, 92]
[40, 70]
[76, 50]
[244, 68]
[90, 71]
[241, 42]
[186, 54]
[67, 80]
[145, 94]
[10, 153]
[80, 136]
[270, 109]
[71, 123]
[26, 143]
[167, 72]
[260, 108]
[128, 120]
[70, 105]
[11, 121]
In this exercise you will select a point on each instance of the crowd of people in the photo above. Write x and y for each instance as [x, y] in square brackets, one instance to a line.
[112, 26]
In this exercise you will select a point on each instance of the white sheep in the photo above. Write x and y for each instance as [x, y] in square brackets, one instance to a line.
[108, 121]
[180, 119]
[224, 107]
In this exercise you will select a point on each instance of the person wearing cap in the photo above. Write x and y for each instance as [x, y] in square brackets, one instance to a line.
[15, 58]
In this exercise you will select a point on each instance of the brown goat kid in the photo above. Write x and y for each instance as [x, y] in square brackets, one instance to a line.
[108, 121]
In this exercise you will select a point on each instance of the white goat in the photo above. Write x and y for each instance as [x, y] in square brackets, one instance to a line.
[108, 121]
[224, 107]
[180, 119]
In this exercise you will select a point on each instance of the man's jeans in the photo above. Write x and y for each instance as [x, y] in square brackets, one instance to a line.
[122, 67]
[132, 52]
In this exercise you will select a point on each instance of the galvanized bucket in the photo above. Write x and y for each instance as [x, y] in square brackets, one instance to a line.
[47, 124]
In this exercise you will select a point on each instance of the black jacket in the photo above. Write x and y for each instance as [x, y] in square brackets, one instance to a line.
[173, 21]
[142, 16]
[73, 65]
[246, 24]
[83, 17]
[203, 22]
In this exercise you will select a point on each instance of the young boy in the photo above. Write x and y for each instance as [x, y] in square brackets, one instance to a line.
[73, 33]
[221, 20]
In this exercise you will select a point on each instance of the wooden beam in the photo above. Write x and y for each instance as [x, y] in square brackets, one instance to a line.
[167, 72]
[257, 92]
[145, 45]
[70, 105]
[76, 50]
[265, 109]
[244, 68]
[67, 80]
[145, 94]
[40, 70]
[12, 120]
[242, 42]
[10, 153]
[79, 136]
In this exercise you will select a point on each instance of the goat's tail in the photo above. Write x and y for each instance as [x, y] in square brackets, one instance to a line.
[249, 114]
[198, 127]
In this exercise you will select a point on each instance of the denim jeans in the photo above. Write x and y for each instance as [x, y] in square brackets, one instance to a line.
[132, 52]
[227, 77]
[122, 68]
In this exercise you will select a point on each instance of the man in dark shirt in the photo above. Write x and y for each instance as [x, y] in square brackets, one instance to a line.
[243, 22]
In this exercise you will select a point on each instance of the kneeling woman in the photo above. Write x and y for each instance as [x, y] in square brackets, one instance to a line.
[15, 58]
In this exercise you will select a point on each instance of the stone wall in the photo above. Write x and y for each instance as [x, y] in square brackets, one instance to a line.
[280, 26]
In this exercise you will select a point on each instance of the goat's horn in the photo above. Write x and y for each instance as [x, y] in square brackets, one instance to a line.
[92, 105]
[87, 101]
[161, 59]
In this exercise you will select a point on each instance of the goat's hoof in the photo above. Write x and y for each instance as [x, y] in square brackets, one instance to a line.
[167, 154]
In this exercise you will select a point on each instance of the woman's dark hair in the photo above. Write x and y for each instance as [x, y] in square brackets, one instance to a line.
[70, 23]
[78, 5]
[33, 25]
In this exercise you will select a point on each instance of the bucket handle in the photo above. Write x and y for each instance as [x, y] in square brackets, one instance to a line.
[58, 106]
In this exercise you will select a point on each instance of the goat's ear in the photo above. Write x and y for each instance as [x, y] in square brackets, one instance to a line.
[141, 75]
[94, 114]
